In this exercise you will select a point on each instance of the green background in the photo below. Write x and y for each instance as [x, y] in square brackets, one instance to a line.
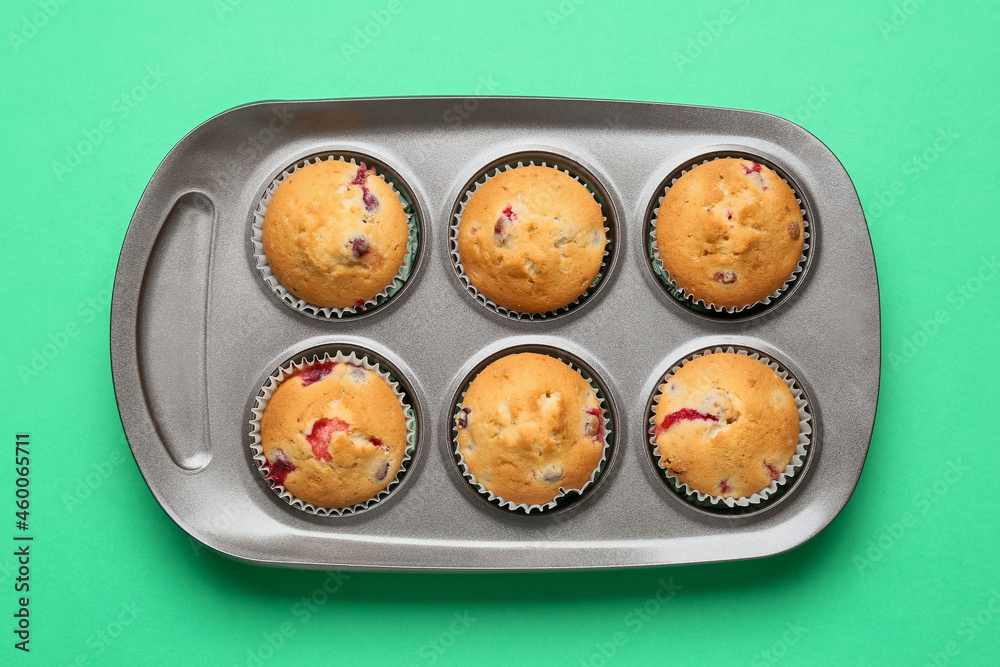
[904, 93]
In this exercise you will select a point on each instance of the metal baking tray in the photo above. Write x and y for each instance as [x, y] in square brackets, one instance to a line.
[195, 331]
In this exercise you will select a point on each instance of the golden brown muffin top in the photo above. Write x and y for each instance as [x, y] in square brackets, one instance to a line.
[726, 425]
[729, 232]
[334, 434]
[532, 239]
[335, 234]
[529, 425]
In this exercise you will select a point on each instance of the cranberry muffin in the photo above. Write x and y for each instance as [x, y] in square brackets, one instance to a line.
[726, 425]
[334, 434]
[729, 232]
[532, 239]
[529, 427]
[335, 234]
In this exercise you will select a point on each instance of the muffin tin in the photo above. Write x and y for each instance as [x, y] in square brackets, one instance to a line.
[195, 332]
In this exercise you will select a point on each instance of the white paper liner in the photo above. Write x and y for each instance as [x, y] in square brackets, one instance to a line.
[257, 448]
[798, 458]
[301, 305]
[681, 294]
[563, 492]
[457, 259]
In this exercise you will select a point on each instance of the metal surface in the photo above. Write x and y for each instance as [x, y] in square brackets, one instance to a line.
[194, 331]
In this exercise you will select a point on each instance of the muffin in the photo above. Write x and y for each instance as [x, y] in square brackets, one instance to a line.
[335, 234]
[529, 427]
[730, 233]
[334, 434]
[532, 239]
[726, 425]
